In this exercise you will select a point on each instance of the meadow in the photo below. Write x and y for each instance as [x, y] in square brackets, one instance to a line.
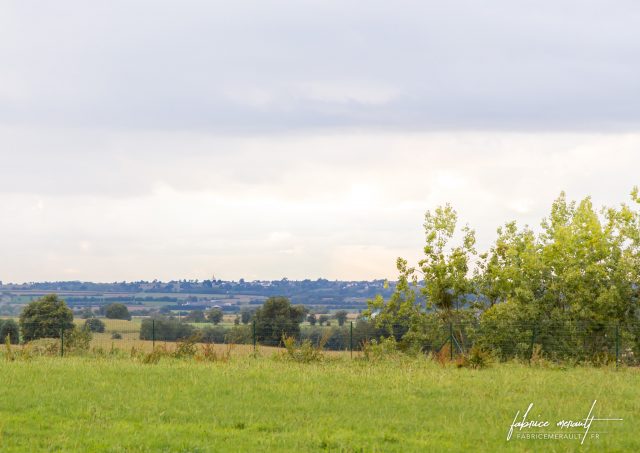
[268, 403]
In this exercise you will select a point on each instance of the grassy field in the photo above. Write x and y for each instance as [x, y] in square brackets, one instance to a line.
[267, 404]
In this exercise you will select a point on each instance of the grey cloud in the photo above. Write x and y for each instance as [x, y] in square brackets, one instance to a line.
[247, 67]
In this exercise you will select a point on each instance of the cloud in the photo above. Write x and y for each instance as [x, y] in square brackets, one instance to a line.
[339, 205]
[283, 66]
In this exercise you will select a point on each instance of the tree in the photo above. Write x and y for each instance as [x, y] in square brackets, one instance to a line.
[196, 316]
[312, 319]
[322, 319]
[117, 311]
[9, 328]
[215, 315]
[341, 316]
[45, 318]
[278, 318]
[86, 313]
[94, 325]
[245, 316]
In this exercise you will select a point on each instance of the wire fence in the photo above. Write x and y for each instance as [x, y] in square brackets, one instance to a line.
[555, 341]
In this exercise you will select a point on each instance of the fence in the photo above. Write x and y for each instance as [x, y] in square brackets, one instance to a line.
[557, 341]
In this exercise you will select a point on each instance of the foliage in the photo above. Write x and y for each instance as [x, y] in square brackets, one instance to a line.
[94, 325]
[166, 329]
[278, 318]
[341, 316]
[77, 340]
[215, 315]
[45, 318]
[573, 281]
[245, 316]
[305, 351]
[117, 311]
[9, 329]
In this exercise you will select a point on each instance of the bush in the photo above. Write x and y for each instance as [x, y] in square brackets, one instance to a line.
[117, 311]
[77, 340]
[116, 336]
[9, 328]
[45, 318]
[94, 325]
[166, 329]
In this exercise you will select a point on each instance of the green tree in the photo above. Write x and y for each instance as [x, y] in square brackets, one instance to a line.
[312, 319]
[441, 281]
[215, 315]
[277, 317]
[117, 311]
[9, 328]
[322, 319]
[45, 318]
[341, 316]
[94, 325]
[245, 316]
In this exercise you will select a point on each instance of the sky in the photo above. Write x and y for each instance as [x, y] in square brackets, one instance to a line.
[299, 139]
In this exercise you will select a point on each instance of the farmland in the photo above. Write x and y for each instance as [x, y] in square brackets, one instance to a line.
[268, 403]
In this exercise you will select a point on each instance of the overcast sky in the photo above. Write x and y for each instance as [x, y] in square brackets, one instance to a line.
[299, 139]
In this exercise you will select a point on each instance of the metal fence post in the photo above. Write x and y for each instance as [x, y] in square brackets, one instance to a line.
[61, 342]
[153, 334]
[351, 339]
[451, 338]
[617, 344]
[254, 336]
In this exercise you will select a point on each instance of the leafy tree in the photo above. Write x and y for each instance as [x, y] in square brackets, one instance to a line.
[323, 319]
[117, 311]
[94, 325]
[196, 316]
[215, 315]
[277, 317]
[245, 316]
[9, 328]
[341, 316]
[86, 313]
[45, 318]
[312, 319]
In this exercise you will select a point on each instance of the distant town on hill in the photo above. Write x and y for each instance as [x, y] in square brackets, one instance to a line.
[197, 294]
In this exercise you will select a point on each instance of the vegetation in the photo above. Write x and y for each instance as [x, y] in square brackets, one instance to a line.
[117, 311]
[277, 318]
[571, 282]
[46, 317]
[94, 325]
[261, 404]
[215, 315]
[9, 329]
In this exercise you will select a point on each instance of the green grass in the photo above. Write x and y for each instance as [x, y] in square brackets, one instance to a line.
[263, 404]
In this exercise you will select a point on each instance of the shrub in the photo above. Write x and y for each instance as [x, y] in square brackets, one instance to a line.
[166, 329]
[116, 336]
[77, 340]
[94, 325]
[304, 352]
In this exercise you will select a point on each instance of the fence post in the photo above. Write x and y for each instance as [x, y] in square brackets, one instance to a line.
[533, 340]
[451, 339]
[153, 334]
[254, 335]
[351, 339]
[617, 344]
[61, 342]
